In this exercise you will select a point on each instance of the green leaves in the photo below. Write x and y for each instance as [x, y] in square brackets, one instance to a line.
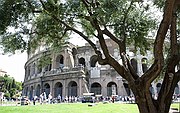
[44, 61]
[13, 42]
[53, 23]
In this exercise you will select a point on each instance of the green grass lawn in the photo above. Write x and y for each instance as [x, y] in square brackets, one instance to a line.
[74, 108]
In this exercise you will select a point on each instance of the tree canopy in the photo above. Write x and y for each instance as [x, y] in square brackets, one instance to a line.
[10, 87]
[51, 22]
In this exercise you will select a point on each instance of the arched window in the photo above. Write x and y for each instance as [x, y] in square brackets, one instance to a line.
[47, 89]
[82, 62]
[158, 86]
[59, 61]
[58, 89]
[96, 88]
[111, 88]
[127, 89]
[38, 88]
[151, 89]
[93, 61]
[72, 88]
[144, 64]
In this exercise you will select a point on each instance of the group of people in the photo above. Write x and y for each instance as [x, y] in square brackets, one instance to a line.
[43, 98]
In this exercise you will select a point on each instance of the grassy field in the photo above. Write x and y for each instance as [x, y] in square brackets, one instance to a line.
[74, 108]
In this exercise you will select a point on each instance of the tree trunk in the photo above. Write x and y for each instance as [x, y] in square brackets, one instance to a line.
[147, 104]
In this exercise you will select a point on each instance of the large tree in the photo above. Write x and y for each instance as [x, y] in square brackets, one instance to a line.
[123, 21]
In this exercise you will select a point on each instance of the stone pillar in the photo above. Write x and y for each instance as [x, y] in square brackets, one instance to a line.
[51, 87]
[103, 83]
[64, 88]
[53, 61]
[104, 91]
[80, 87]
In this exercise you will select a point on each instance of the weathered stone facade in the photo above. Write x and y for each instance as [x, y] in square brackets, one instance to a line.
[75, 70]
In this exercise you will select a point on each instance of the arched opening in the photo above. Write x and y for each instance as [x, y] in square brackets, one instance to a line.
[151, 89]
[176, 90]
[96, 88]
[127, 89]
[47, 89]
[134, 64]
[58, 89]
[82, 62]
[31, 93]
[144, 64]
[38, 88]
[111, 88]
[158, 87]
[93, 60]
[72, 88]
[59, 61]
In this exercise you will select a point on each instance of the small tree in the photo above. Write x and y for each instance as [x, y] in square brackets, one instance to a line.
[123, 21]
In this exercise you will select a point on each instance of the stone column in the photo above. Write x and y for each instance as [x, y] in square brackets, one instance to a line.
[53, 61]
[64, 88]
[51, 87]
[80, 87]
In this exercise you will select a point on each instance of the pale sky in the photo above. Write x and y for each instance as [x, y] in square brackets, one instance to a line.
[14, 65]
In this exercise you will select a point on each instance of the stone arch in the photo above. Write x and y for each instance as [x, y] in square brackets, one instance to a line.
[158, 87]
[72, 88]
[96, 88]
[144, 64]
[59, 61]
[58, 88]
[46, 89]
[134, 64]
[93, 60]
[126, 86]
[82, 61]
[38, 90]
[31, 93]
[111, 88]
[176, 90]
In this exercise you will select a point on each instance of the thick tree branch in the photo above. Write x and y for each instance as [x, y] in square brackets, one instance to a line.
[168, 84]
[156, 68]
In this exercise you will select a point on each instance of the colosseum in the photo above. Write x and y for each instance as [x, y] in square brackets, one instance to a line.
[74, 71]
